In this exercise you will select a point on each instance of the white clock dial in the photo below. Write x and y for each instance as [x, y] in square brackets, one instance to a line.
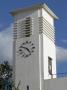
[26, 49]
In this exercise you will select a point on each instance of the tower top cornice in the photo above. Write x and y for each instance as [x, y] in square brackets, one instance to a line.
[34, 7]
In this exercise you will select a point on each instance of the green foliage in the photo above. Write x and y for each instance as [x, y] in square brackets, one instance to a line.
[16, 87]
[6, 81]
[5, 75]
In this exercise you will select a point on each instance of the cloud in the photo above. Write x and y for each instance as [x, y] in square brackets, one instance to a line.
[64, 41]
[61, 53]
[6, 44]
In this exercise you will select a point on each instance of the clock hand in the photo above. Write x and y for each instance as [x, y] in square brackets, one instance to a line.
[26, 49]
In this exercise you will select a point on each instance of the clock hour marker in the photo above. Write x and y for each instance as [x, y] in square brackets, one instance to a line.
[32, 51]
[20, 46]
[26, 41]
[23, 43]
[33, 47]
[20, 49]
[32, 44]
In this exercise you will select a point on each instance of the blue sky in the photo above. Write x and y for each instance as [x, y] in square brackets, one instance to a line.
[6, 20]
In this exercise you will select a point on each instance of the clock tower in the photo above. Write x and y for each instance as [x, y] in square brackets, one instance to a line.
[34, 54]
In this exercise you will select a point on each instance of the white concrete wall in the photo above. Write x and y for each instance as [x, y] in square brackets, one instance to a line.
[48, 17]
[47, 48]
[41, 65]
[55, 84]
[48, 51]
[27, 70]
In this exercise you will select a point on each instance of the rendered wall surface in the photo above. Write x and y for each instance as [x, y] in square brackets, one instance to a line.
[49, 51]
[27, 69]
[55, 84]
[48, 45]
[48, 17]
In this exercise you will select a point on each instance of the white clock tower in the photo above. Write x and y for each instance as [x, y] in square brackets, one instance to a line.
[34, 54]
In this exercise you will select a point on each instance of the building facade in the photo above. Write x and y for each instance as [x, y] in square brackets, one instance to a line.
[34, 54]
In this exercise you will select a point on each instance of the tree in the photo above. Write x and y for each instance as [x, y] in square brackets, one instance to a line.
[17, 87]
[5, 76]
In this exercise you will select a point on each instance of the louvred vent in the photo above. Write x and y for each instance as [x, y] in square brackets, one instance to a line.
[23, 28]
[46, 28]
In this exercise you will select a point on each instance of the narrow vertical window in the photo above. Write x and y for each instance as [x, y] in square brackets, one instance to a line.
[27, 87]
[50, 65]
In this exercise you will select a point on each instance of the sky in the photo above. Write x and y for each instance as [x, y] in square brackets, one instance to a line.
[59, 7]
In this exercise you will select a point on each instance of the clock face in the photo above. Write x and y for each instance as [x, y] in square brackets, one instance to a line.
[26, 49]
